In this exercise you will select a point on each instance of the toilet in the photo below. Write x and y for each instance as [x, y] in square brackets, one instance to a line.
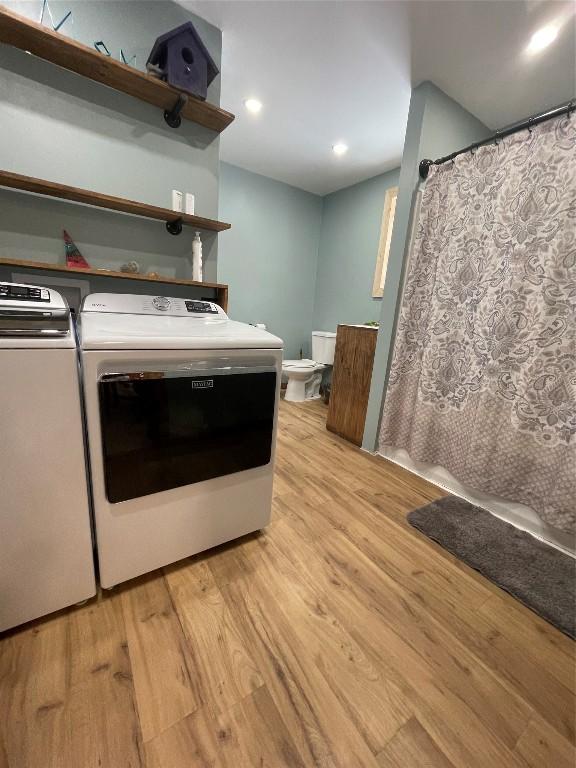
[305, 376]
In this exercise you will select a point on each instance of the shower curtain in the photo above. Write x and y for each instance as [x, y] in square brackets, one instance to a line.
[483, 375]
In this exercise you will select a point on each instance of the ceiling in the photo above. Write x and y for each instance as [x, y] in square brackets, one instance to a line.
[329, 72]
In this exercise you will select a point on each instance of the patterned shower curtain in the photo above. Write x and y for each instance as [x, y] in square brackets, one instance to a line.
[483, 376]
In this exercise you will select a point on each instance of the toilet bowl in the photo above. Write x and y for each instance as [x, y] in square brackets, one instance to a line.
[304, 379]
[305, 376]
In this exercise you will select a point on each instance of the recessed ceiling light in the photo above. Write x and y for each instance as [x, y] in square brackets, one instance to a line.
[253, 105]
[542, 38]
[340, 149]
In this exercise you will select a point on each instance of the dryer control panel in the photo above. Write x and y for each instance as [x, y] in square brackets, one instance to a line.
[133, 304]
[19, 292]
[202, 306]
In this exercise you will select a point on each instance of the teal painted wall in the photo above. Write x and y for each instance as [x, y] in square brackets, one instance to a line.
[437, 125]
[58, 126]
[270, 255]
[351, 222]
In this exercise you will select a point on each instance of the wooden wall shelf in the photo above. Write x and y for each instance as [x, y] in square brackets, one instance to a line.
[220, 288]
[85, 196]
[55, 47]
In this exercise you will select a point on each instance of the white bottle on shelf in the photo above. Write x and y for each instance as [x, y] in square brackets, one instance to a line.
[176, 200]
[197, 258]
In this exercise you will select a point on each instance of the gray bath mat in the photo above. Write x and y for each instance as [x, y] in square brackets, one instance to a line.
[538, 575]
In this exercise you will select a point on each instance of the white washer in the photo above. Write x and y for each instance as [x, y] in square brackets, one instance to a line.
[46, 559]
[181, 407]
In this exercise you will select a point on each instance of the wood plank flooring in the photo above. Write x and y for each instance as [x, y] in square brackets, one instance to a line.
[339, 637]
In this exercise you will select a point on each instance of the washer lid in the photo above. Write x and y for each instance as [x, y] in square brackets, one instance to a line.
[124, 331]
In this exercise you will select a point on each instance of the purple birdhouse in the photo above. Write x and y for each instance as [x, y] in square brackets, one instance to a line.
[181, 58]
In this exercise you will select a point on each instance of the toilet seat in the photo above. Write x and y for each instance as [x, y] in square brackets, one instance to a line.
[300, 365]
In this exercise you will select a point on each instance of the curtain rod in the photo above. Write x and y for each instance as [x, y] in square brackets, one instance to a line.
[563, 109]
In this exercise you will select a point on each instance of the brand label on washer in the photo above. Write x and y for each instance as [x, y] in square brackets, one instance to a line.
[203, 384]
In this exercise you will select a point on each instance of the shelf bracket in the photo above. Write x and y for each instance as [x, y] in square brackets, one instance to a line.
[172, 116]
[174, 227]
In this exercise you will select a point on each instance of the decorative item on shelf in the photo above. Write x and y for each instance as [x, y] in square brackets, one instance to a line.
[176, 201]
[130, 266]
[55, 26]
[102, 48]
[197, 258]
[181, 58]
[73, 256]
[131, 62]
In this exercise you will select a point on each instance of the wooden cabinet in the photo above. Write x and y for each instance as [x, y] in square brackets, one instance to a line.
[351, 377]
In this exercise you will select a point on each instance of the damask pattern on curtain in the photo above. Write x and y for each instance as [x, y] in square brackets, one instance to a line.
[483, 376]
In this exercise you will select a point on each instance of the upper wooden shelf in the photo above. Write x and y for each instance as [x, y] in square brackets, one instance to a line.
[173, 219]
[52, 46]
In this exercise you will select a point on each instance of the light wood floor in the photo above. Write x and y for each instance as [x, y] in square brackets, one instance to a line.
[340, 637]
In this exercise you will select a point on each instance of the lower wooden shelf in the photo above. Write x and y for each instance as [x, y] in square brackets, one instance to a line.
[220, 288]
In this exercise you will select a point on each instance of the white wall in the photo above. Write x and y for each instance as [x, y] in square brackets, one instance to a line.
[269, 256]
[351, 221]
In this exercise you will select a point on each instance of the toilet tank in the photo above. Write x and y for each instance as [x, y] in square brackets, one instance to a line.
[323, 346]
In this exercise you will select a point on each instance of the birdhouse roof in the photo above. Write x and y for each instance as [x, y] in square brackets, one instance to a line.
[184, 29]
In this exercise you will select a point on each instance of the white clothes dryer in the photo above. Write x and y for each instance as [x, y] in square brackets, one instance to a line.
[181, 406]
